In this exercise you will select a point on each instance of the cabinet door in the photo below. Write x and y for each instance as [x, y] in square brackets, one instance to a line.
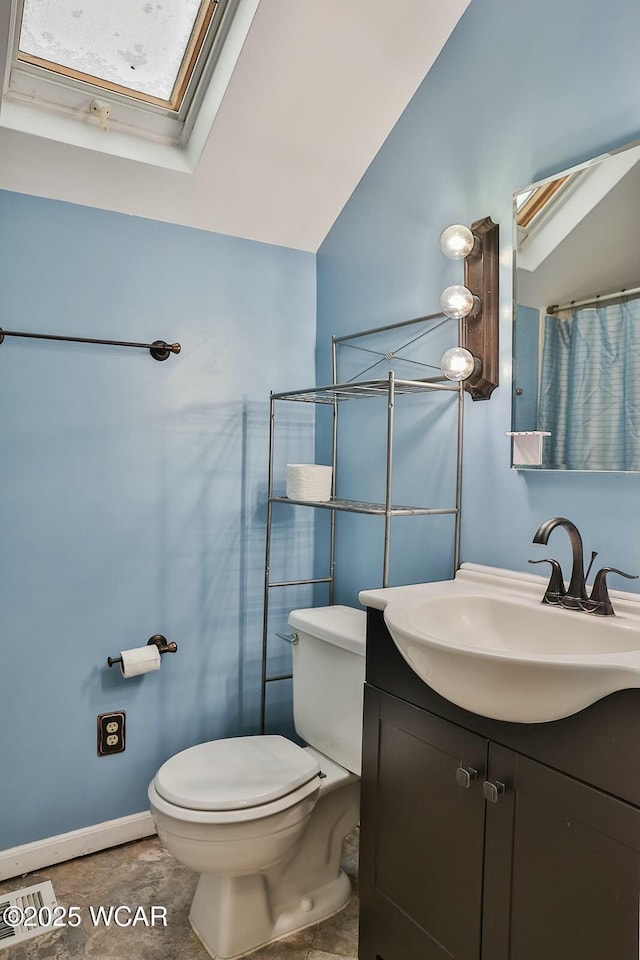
[421, 835]
[562, 867]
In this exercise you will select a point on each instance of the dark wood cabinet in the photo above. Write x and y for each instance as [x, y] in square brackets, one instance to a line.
[561, 867]
[422, 845]
[421, 817]
[477, 845]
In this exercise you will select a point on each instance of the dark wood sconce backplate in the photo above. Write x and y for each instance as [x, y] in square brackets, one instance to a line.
[480, 333]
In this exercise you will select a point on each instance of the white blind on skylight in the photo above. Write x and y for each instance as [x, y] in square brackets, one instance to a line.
[138, 44]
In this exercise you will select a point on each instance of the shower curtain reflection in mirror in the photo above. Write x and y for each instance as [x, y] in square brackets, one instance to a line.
[589, 396]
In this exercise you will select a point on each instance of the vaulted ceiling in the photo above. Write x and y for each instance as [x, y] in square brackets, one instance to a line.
[315, 92]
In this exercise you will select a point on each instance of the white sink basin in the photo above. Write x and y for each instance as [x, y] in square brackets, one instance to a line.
[486, 643]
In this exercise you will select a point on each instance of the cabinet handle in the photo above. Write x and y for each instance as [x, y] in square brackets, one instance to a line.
[464, 776]
[492, 791]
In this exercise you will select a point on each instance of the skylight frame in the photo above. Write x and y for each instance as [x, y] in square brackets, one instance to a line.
[538, 201]
[69, 93]
[197, 39]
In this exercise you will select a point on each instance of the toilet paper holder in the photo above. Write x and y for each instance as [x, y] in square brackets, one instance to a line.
[157, 639]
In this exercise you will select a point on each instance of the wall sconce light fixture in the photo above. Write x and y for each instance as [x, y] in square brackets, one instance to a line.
[458, 363]
[474, 305]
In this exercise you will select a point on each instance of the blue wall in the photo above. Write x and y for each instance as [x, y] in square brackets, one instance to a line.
[526, 364]
[133, 495]
[519, 92]
[133, 491]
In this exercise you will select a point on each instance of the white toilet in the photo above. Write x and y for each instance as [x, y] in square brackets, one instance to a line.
[262, 819]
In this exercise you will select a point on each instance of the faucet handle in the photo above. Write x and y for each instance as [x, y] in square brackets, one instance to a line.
[600, 593]
[555, 588]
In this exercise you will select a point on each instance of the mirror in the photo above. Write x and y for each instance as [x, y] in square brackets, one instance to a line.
[576, 336]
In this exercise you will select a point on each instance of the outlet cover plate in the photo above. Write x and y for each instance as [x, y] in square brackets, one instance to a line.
[111, 730]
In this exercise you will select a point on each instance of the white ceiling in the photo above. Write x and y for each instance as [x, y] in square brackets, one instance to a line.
[316, 90]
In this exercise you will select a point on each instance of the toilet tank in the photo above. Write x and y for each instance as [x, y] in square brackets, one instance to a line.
[328, 681]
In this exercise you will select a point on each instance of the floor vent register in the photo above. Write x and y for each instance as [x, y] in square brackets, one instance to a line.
[26, 913]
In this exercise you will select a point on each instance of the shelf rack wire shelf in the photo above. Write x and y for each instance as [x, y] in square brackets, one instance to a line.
[334, 394]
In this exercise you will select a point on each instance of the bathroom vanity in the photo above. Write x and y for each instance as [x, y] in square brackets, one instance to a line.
[483, 838]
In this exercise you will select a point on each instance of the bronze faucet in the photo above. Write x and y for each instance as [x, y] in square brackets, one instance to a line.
[577, 592]
[575, 597]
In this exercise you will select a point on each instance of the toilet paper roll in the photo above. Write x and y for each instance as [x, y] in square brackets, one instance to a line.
[140, 660]
[309, 481]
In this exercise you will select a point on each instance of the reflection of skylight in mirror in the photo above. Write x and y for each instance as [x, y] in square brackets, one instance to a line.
[138, 44]
[522, 198]
[529, 207]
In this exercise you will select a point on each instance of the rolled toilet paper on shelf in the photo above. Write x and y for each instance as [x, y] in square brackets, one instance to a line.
[140, 660]
[309, 481]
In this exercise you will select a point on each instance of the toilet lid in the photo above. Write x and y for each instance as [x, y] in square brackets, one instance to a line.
[235, 773]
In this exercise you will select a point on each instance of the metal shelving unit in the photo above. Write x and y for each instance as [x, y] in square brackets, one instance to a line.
[335, 394]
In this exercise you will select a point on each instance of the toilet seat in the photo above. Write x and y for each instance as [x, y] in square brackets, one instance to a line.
[239, 778]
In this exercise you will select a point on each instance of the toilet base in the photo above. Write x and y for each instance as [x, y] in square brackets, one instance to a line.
[242, 921]
[235, 915]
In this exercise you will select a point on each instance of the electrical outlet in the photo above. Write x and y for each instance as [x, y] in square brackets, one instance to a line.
[110, 733]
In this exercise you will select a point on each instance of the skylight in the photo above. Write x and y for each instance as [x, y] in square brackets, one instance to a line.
[142, 48]
[142, 79]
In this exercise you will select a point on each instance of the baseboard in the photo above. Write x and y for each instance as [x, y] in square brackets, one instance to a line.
[45, 853]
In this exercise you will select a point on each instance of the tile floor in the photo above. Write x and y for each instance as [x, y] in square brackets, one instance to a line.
[142, 873]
